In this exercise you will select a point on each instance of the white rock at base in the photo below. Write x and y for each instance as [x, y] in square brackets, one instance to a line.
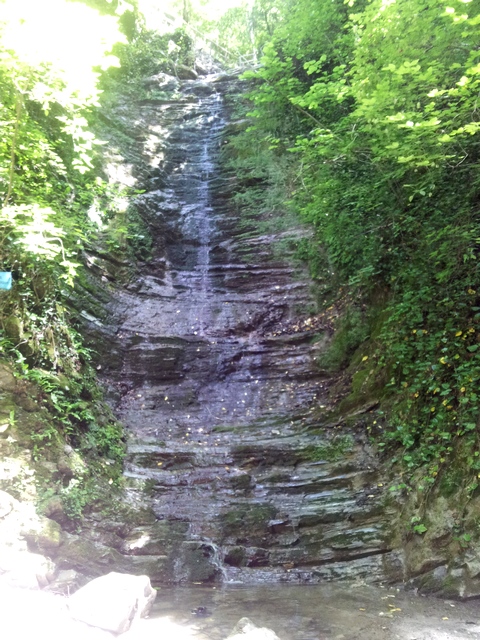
[25, 570]
[245, 629]
[7, 504]
[29, 614]
[113, 601]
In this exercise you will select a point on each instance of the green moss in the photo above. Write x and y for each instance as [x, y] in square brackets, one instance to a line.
[359, 379]
[247, 520]
[278, 477]
[451, 480]
[235, 557]
[222, 429]
[368, 387]
[241, 482]
[330, 451]
[352, 330]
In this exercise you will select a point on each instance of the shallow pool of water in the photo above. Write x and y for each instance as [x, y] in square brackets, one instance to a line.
[317, 612]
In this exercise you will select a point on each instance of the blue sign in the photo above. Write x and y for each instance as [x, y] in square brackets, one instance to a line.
[6, 280]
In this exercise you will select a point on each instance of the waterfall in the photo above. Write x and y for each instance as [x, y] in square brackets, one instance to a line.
[227, 452]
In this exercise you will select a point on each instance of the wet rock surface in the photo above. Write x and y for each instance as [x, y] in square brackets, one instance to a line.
[221, 390]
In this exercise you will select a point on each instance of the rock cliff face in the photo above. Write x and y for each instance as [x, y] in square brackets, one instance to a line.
[220, 386]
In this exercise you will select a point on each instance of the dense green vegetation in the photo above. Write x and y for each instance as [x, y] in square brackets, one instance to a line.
[377, 106]
[61, 64]
[49, 187]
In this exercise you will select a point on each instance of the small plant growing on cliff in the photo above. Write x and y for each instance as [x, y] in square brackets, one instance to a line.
[417, 525]
[463, 539]
[330, 451]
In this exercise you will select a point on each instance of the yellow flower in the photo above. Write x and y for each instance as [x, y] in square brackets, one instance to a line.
[459, 333]
[432, 409]
[471, 292]
[462, 390]
[443, 361]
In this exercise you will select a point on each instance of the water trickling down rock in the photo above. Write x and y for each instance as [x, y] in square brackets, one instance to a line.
[221, 406]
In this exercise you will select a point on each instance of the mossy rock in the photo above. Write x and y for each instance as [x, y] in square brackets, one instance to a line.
[441, 582]
[247, 522]
[122, 518]
[90, 558]
[157, 539]
[44, 536]
[367, 389]
[8, 381]
[331, 450]
[243, 482]
[196, 562]
[7, 405]
[235, 557]
[13, 328]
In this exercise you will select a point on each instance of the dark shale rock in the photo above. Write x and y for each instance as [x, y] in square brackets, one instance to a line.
[219, 386]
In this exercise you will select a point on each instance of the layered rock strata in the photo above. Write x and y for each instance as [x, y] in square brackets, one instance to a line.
[222, 404]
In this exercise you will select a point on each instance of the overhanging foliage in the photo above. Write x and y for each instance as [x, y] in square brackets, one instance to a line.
[379, 102]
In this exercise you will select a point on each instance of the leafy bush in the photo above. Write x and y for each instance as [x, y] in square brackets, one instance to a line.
[385, 129]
